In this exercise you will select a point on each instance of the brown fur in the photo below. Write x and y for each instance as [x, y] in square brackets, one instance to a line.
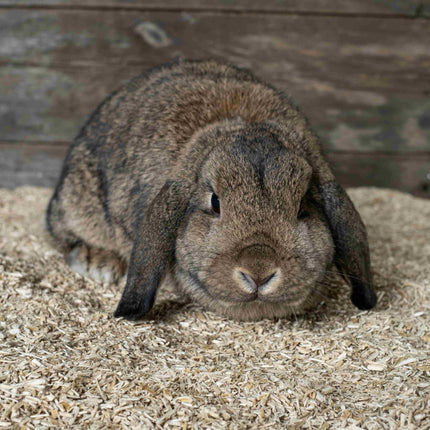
[137, 184]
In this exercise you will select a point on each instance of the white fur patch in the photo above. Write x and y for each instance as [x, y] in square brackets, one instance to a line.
[78, 267]
[101, 274]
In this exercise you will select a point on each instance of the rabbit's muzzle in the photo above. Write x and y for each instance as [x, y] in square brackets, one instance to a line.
[258, 275]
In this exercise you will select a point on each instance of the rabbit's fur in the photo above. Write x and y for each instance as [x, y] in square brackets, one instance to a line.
[140, 183]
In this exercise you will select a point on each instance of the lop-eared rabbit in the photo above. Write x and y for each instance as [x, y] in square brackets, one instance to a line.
[201, 173]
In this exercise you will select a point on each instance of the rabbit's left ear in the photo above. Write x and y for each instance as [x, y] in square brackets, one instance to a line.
[351, 246]
[153, 249]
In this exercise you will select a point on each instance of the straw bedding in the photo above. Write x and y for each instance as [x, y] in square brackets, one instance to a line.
[66, 363]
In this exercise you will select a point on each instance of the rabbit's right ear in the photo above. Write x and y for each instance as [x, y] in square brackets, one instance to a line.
[350, 239]
[153, 249]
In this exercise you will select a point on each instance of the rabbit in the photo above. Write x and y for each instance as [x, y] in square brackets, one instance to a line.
[200, 173]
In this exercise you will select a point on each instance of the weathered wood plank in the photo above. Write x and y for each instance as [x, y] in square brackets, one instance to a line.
[359, 52]
[24, 164]
[383, 7]
[40, 164]
[38, 104]
[406, 172]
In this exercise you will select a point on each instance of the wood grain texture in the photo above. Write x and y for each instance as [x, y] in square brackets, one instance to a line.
[364, 83]
[406, 172]
[360, 73]
[341, 48]
[39, 164]
[368, 7]
[30, 164]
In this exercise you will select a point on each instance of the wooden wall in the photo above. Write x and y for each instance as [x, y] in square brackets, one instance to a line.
[360, 69]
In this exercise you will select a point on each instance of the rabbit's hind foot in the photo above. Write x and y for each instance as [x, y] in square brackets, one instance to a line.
[98, 264]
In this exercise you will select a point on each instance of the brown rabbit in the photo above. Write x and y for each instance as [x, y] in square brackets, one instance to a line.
[200, 171]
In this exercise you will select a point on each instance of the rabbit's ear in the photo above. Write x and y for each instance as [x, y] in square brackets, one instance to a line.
[351, 246]
[153, 249]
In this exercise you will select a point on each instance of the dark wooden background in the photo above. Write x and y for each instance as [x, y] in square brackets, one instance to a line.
[360, 69]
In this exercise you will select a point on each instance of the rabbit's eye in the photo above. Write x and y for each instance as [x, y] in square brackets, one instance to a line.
[215, 204]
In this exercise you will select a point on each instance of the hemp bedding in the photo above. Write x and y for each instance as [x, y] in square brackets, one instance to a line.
[65, 362]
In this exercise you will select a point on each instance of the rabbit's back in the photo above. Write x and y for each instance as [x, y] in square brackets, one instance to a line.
[161, 109]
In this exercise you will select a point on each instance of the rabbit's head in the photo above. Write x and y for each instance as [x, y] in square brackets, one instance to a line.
[250, 225]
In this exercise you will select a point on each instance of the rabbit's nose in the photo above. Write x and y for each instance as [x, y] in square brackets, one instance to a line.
[251, 283]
